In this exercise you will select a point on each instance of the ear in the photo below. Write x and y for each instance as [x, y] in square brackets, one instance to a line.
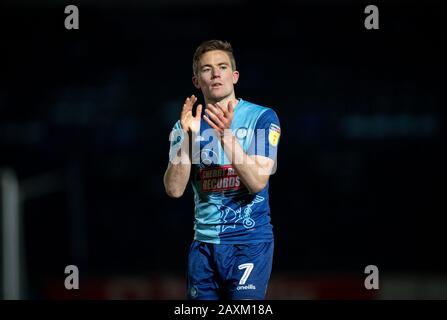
[235, 77]
[195, 82]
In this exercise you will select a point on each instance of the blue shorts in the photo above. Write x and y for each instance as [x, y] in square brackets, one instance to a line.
[229, 271]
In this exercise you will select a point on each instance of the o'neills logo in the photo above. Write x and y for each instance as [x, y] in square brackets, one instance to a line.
[217, 179]
[247, 287]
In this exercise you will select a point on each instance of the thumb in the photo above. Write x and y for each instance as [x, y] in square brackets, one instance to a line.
[198, 112]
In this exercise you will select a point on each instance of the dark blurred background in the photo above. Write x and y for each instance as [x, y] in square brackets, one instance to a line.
[85, 117]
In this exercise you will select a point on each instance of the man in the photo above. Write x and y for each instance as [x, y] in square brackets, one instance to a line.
[231, 150]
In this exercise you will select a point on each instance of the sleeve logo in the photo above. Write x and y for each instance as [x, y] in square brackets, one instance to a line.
[274, 134]
[241, 133]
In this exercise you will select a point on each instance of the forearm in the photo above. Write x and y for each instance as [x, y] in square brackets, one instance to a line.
[253, 174]
[177, 174]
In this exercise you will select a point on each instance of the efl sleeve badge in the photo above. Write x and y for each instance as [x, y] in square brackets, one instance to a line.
[274, 134]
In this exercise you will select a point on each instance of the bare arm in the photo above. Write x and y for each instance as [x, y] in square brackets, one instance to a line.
[177, 174]
[254, 171]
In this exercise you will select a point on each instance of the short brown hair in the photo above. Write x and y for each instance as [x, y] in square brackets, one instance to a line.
[211, 45]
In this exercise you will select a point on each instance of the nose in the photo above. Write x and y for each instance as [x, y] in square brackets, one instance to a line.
[215, 73]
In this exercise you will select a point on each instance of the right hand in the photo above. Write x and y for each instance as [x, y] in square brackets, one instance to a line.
[188, 122]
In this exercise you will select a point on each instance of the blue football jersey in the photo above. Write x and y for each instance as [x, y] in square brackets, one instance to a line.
[225, 211]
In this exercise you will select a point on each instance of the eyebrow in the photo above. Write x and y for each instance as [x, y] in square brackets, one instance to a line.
[209, 65]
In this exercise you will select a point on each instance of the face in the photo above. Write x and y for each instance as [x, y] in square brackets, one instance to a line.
[215, 76]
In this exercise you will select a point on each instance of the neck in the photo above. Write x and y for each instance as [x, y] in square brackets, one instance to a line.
[224, 101]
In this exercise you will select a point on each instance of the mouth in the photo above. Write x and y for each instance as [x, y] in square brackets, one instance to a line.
[216, 85]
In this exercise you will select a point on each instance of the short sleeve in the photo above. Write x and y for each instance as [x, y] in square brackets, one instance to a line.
[266, 136]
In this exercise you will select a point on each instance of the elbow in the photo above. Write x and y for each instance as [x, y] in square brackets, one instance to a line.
[257, 187]
[171, 189]
[255, 190]
[174, 193]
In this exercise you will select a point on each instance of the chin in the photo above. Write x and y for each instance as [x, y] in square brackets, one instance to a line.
[218, 97]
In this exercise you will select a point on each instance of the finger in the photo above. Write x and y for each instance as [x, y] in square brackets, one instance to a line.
[213, 108]
[230, 107]
[215, 118]
[219, 106]
[222, 109]
[212, 115]
[192, 100]
[189, 102]
[211, 123]
[198, 112]
[221, 117]
[221, 113]
[187, 114]
[187, 105]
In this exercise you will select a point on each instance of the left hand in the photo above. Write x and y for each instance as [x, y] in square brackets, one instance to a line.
[219, 117]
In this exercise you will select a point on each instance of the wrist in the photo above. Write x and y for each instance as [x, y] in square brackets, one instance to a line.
[185, 130]
[227, 135]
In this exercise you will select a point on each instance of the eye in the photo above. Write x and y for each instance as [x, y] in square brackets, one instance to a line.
[223, 67]
[206, 69]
